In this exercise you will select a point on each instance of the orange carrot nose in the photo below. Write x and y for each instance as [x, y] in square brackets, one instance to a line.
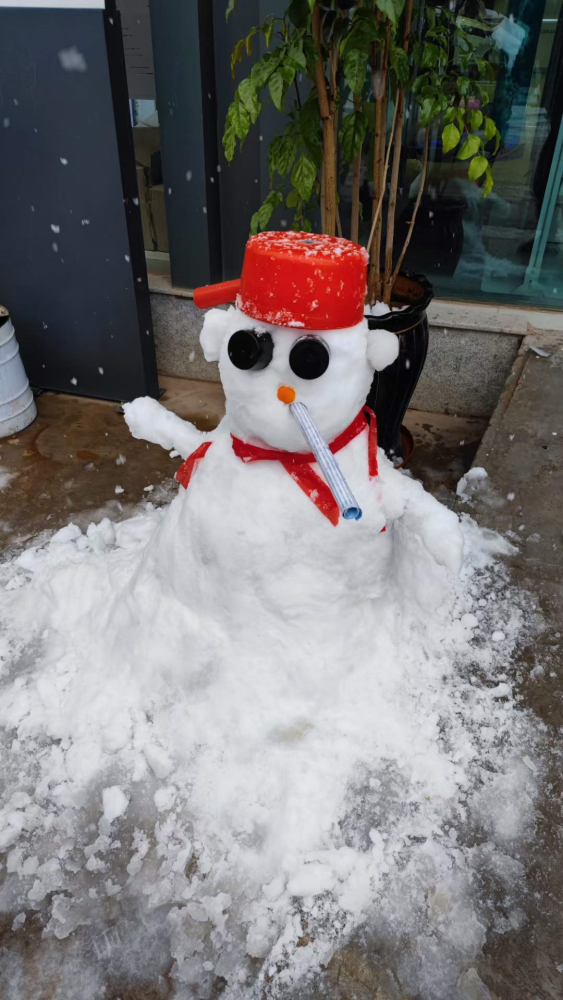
[286, 394]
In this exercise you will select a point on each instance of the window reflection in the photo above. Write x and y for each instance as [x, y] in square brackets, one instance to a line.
[148, 161]
[509, 246]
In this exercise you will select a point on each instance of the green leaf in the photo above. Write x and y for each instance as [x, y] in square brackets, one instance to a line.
[276, 89]
[287, 73]
[486, 69]
[449, 115]
[497, 143]
[477, 167]
[229, 143]
[248, 41]
[292, 198]
[490, 128]
[237, 55]
[429, 110]
[281, 154]
[400, 63]
[310, 54]
[419, 83]
[355, 67]
[247, 95]
[238, 119]
[299, 12]
[469, 148]
[488, 185]
[295, 53]
[475, 119]
[463, 85]
[363, 32]
[450, 137]
[268, 31]
[391, 8]
[430, 14]
[230, 8]
[303, 176]
[262, 70]
[430, 55]
[310, 128]
[352, 134]
[261, 218]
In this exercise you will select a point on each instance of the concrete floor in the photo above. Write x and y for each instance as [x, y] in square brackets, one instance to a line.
[67, 465]
[523, 454]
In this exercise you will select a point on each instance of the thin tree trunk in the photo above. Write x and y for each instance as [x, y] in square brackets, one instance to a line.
[393, 188]
[329, 172]
[381, 198]
[326, 109]
[415, 209]
[387, 282]
[338, 224]
[374, 288]
[380, 66]
[333, 59]
[356, 177]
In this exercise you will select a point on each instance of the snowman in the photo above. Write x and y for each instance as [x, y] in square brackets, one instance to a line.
[288, 514]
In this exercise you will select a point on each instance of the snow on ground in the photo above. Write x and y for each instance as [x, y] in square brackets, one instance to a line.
[243, 819]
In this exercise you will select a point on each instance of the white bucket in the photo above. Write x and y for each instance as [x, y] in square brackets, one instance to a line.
[17, 405]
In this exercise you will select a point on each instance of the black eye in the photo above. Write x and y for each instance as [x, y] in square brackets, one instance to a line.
[309, 358]
[248, 349]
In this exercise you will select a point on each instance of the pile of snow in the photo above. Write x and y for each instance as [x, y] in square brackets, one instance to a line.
[472, 480]
[231, 819]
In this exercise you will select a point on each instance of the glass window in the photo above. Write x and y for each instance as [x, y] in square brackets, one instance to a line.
[139, 62]
[507, 247]
[148, 161]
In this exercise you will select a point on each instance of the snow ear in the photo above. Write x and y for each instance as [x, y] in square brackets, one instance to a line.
[383, 348]
[213, 332]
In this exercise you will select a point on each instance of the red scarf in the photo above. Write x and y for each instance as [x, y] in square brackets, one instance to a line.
[298, 464]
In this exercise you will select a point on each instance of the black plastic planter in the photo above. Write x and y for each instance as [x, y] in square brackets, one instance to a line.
[392, 389]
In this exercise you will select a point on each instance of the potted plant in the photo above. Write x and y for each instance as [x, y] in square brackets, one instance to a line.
[344, 74]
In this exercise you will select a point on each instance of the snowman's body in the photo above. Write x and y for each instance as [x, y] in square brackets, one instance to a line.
[245, 548]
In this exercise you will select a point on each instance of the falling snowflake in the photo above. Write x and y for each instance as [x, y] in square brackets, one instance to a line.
[72, 60]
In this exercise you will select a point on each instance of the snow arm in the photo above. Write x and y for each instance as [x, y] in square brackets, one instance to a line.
[436, 526]
[149, 421]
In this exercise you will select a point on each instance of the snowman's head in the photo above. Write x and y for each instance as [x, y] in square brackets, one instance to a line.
[298, 332]
[329, 370]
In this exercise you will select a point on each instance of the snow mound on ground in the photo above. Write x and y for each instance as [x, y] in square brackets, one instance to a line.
[232, 823]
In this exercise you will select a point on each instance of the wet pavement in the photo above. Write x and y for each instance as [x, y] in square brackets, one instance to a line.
[523, 497]
[69, 463]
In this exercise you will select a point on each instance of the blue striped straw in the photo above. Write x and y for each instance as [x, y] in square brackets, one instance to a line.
[329, 466]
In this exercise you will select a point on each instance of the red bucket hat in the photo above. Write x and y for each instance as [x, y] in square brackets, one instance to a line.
[296, 280]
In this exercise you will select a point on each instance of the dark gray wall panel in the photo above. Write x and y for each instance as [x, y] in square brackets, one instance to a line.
[71, 254]
[137, 44]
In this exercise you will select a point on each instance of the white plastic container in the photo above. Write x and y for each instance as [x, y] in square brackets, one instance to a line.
[17, 405]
